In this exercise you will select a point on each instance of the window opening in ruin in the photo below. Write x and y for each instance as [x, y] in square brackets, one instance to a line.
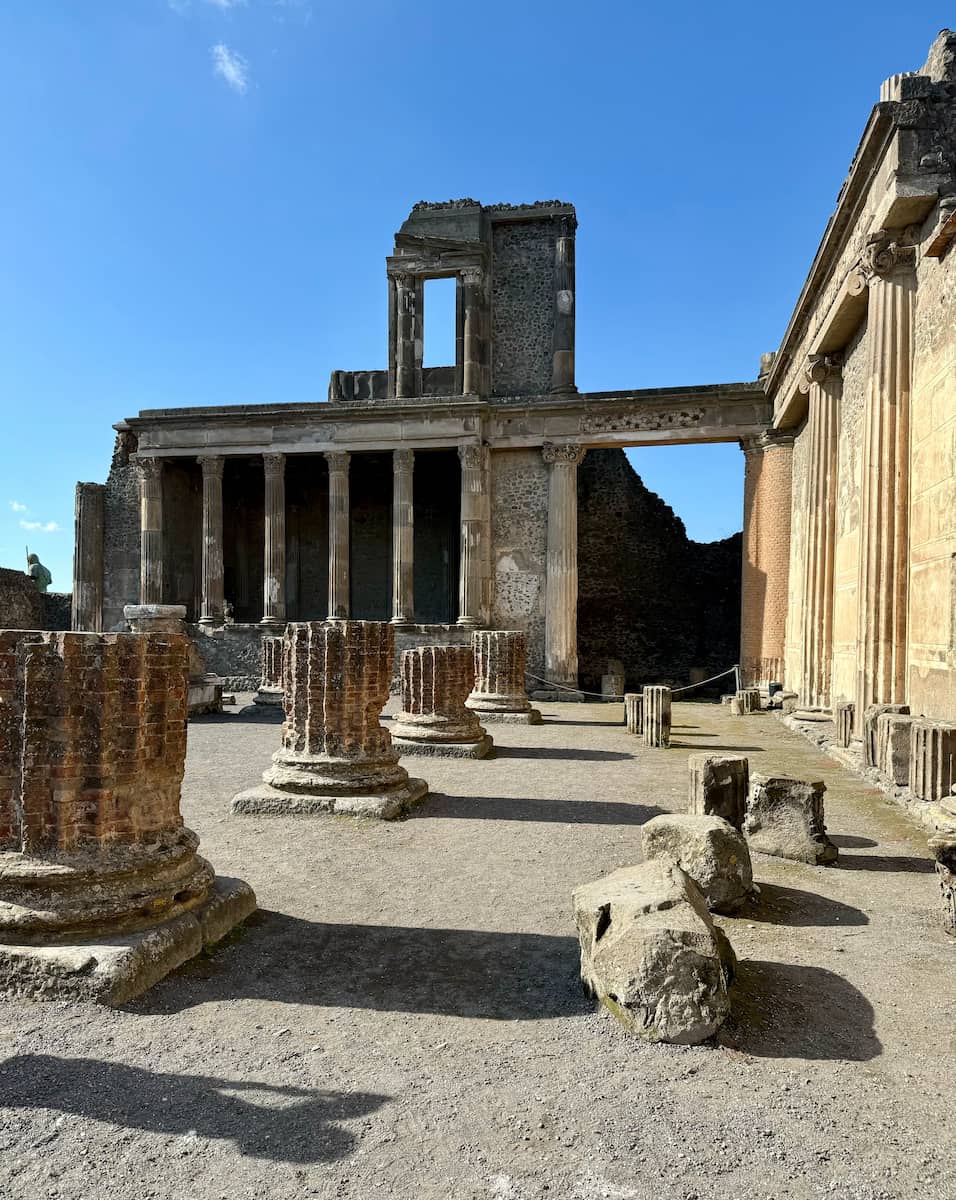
[439, 321]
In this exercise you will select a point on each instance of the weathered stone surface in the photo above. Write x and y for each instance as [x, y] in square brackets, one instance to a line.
[651, 954]
[656, 719]
[436, 681]
[336, 756]
[932, 759]
[709, 849]
[634, 712]
[748, 700]
[943, 848]
[499, 690]
[894, 747]
[719, 784]
[871, 715]
[270, 686]
[205, 689]
[785, 818]
[612, 686]
[844, 712]
[92, 844]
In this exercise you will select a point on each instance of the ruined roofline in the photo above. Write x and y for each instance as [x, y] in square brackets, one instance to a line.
[532, 211]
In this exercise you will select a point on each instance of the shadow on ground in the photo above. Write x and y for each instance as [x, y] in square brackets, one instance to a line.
[561, 753]
[780, 905]
[285, 1124]
[456, 972]
[509, 808]
[781, 1010]
[709, 746]
[891, 863]
[252, 714]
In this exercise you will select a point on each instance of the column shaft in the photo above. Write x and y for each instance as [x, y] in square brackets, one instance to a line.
[273, 587]
[405, 320]
[87, 607]
[212, 570]
[561, 598]
[474, 579]
[339, 606]
[562, 361]
[403, 537]
[471, 341]
[151, 531]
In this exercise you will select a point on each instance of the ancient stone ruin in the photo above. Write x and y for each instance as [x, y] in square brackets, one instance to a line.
[102, 892]
[336, 756]
[271, 691]
[434, 719]
[634, 712]
[499, 690]
[711, 851]
[205, 688]
[719, 786]
[785, 818]
[656, 716]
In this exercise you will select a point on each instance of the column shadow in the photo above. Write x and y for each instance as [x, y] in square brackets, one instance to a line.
[778, 905]
[263, 1120]
[561, 753]
[562, 812]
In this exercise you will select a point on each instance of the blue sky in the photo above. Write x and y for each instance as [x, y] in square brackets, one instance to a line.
[199, 194]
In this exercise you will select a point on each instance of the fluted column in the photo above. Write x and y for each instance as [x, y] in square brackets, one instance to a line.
[403, 537]
[562, 358]
[405, 321]
[561, 598]
[888, 263]
[273, 588]
[212, 571]
[87, 606]
[471, 344]
[150, 530]
[474, 580]
[823, 381]
[338, 534]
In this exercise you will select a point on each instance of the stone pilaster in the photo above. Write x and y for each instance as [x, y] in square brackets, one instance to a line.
[212, 568]
[436, 682]
[336, 756]
[406, 295]
[474, 586]
[500, 662]
[87, 606]
[823, 381]
[562, 358]
[150, 530]
[273, 586]
[339, 606]
[883, 592]
[657, 716]
[561, 597]
[471, 323]
[270, 691]
[768, 466]
[92, 844]
[932, 764]
[403, 537]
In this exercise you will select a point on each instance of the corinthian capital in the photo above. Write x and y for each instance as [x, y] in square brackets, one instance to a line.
[212, 465]
[403, 461]
[149, 468]
[472, 456]
[338, 460]
[567, 453]
[769, 439]
[274, 464]
[887, 250]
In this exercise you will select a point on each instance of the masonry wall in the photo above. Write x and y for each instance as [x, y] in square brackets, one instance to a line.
[522, 306]
[120, 535]
[21, 605]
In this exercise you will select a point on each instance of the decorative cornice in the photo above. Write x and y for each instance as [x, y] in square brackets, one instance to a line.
[567, 454]
[338, 460]
[274, 464]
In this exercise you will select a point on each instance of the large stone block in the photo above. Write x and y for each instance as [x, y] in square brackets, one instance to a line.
[499, 690]
[718, 786]
[651, 954]
[785, 818]
[709, 849]
[336, 756]
[932, 759]
[871, 715]
[656, 718]
[894, 747]
[435, 683]
[92, 844]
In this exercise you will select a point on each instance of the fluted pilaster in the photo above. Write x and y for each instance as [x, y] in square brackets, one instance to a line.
[338, 462]
[474, 586]
[212, 568]
[561, 601]
[403, 537]
[273, 589]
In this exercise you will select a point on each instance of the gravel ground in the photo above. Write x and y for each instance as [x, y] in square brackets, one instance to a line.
[403, 1017]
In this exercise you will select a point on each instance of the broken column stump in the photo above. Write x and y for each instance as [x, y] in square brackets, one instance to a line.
[205, 687]
[943, 849]
[718, 786]
[932, 759]
[709, 849]
[499, 690]
[785, 818]
[870, 717]
[634, 712]
[894, 741]
[336, 756]
[102, 892]
[656, 717]
[651, 954]
[748, 701]
[435, 683]
[844, 714]
[270, 684]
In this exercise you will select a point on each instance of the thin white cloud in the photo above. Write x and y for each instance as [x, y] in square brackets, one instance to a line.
[40, 526]
[178, 6]
[231, 67]
[226, 3]
[18, 507]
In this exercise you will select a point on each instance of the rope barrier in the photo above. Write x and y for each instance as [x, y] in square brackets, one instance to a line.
[563, 687]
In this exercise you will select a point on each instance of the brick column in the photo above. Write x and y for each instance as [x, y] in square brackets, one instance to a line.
[403, 537]
[339, 605]
[474, 586]
[436, 682]
[270, 681]
[150, 530]
[212, 570]
[889, 265]
[499, 693]
[766, 555]
[336, 756]
[87, 607]
[561, 597]
[273, 586]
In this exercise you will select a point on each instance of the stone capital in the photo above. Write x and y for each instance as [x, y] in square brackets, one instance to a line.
[769, 439]
[212, 465]
[149, 468]
[471, 276]
[819, 368]
[403, 461]
[274, 464]
[889, 250]
[472, 456]
[568, 454]
[338, 460]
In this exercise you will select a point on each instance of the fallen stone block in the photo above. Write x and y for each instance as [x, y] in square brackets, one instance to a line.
[748, 701]
[870, 717]
[844, 714]
[718, 786]
[932, 759]
[651, 954]
[894, 739]
[784, 817]
[709, 850]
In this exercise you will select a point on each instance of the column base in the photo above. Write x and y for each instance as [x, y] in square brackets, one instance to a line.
[114, 970]
[402, 622]
[479, 749]
[469, 622]
[273, 621]
[218, 619]
[269, 801]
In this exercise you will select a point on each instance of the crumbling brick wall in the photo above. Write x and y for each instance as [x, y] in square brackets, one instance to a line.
[21, 605]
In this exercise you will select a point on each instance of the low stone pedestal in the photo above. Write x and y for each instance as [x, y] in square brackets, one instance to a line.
[709, 849]
[932, 759]
[894, 740]
[634, 712]
[870, 717]
[102, 892]
[436, 681]
[656, 718]
[785, 818]
[651, 954]
[336, 756]
[205, 688]
[844, 714]
[748, 701]
[499, 689]
[718, 786]
[270, 690]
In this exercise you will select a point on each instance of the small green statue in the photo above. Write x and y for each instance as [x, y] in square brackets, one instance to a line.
[38, 573]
